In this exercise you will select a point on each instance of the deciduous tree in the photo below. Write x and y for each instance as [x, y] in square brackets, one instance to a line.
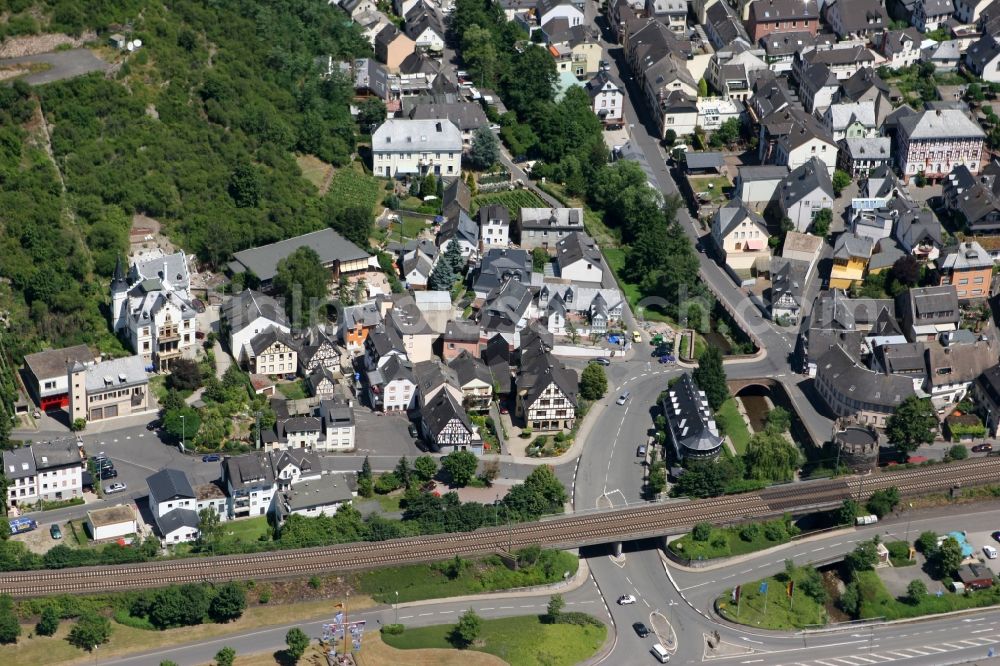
[771, 457]
[912, 423]
[10, 629]
[229, 602]
[460, 467]
[467, 630]
[425, 467]
[48, 622]
[90, 631]
[485, 149]
[302, 280]
[593, 382]
[297, 642]
[225, 657]
[710, 377]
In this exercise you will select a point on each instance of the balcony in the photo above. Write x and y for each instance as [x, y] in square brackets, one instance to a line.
[168, 335]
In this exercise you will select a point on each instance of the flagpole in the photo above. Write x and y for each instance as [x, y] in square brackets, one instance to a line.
[346, 599]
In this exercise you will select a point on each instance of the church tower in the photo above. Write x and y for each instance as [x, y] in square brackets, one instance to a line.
[119, 295]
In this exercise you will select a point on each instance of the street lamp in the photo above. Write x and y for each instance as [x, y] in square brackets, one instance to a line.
[183, 437]
[909, 519]
[397, 606]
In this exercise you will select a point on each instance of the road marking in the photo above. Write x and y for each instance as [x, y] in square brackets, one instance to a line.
[974, 619]
[506, 607]
[492, 608]
[920, 652]
[405, 617]
[981, 631]
[528, 606]
[425, 614]
[629, 580]
[816, 550]
[647, 603]
[694, 586]
[446, 612]
[749, 640]
[864, 659]
[746, 571]
[128, 437]
[899, 653]
[954, 647]
[751, 661]
[931, 647]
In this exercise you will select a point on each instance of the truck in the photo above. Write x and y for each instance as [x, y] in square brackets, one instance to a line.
[21, 525]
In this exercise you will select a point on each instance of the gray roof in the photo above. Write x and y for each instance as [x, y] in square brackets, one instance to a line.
[903, 358]
[786, 43]
[456, 195]
[735, 213]
[930, 305]
[366, 314]
[853, 380]
[465, 115]
[849, 56]
[337, 414]
[328, 244]
[860, 15]
[895, 41]
[842, 115]
[424, 135]
[330, 490]
[168, 484]
[387, 35]
[887, 252]
[723, 25]
[704, 160]
[461, 330]
[691, 424]
[982, 52]
[60, 452]
[262, 341]
[754, 172]
[459, 226]
[803, 181]
[248, 306]
[18, 463]
[118, 372]
[176, 519]
[246, 470]
[877, 147]
[969, 255]
[788, 279]
[299, 424]
[940, 124]
[551, 218]
[432, 374]
[958, 363]
[419, 20]
[764, 11]
[937, 7]
[392, 370]
[468, 368]
[849, 245]
[596, 85]
[539, 369]
[577, 246]
[442, 410]
[834, 310]
[505, 306]
[55, 362]
[501, 264]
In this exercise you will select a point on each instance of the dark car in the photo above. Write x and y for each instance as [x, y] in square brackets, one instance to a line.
[982, 448]
[55, 532]
[211, 457]
[601, 361]
[109, 473]
[996, 536]
[153, 425]
[667, 358]
[412, 428]
[640, 629]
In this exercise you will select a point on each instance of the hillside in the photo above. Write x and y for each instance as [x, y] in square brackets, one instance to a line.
[198, 129]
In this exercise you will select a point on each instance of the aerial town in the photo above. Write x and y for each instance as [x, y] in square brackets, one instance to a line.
[527, 332]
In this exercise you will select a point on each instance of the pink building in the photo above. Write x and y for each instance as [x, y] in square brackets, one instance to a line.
[936, 141]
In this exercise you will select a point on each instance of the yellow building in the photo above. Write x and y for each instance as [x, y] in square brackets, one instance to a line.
[850, 260]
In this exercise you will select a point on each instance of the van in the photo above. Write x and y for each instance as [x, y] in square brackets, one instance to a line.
[660, 653]
[990, 552]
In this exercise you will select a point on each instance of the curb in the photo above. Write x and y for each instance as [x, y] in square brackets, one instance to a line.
[737, 559]
[582, 573]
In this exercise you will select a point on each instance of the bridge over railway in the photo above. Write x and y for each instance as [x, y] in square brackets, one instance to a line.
[599, 527]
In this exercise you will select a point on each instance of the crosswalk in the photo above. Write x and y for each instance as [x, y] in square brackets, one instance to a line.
[899, 654]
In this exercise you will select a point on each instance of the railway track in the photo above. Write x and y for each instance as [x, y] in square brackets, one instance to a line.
[565, 532]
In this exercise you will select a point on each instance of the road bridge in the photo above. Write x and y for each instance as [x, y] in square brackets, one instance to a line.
[650, 520]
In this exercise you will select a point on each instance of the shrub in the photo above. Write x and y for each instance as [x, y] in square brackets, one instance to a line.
[916, 591]
[750, 532]
[48, 622]
[927, 543]
[265, 596]
[957, 452]
[775, 531]
[702, 532]
[393, 629]
[315, 583]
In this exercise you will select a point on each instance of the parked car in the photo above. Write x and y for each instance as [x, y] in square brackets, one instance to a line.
[109, 473]
[996, 536]
[153, 425]
[990, 552]
[211, 457]
[982, 448]
[640, 629]
[504, 410]
[640, 452]
[667, 358]
[601, 361]
[412, 429]
[55, 532]
[636, 337]
[626, 600]
[115, 488]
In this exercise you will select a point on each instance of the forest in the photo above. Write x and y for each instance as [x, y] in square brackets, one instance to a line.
[198, 129]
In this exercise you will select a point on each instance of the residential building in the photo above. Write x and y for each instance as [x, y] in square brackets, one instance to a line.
[953, 367]
[45, 375]
[945, 56]
[983, 58]
[741, 236]
[780, 48]
[22, 477]
[968, 11]
[804, 192]
[403, 147]
[855, 19]
[692, 430]
[788, 283]
[970, 269]
[722, 25]
[176, 505]
[247, 315]
[431, 378]
[466, 116]
[335, 252]
[456, 196]
[714, 111]
[986, 392]
[413, 328]
[900, 48]
[250, 485]
[113, 522]
[843, 60]
[770, 16]
[447, 427]
[591, 309]
[474, 379]
[315, 497]
[544, 227]
[391, 387]
[505, 309]
[356, 7]
[935, 142]
[672, 12]
[756, 185]
[317, 351]
[459, 336]
[607, 98]
[929, 15]
[927, 312]
[499, 265]
[338, 426]
[859, 156]
[418, 259]
[850, 120]
[550, 10]
[546, 390]
[906, 359]
[356, 323]
[803, 247]
[578, 259]
[59, 469]
[733, 69]
[423, 26]
[852, 390]
[322, 383]
[817, 87]
[383, 343]
[974, 199]
[461, 229]
[494, 226]
[105, 390]
[152, 309]
[272, 352]
[851, 253]
[804, 140]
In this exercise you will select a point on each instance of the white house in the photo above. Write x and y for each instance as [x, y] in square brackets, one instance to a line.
[22, 477]
[851, 120]
[424, 28]
[807, 190]
[249, 314]
[741, 235]
[570, 10]
[338, 425]
[391, 387]
[312, 498]
[901, 48]
[300, 432]
[59, 469]
[272, 352]
[929, 15]
[250, 485]
[802, 145]
[983, 58]
[151, 307]
[494, 226]
[606, 98]
[112, 522]
[403, 147]
[578, 259]
[967, 11]
[174, 506]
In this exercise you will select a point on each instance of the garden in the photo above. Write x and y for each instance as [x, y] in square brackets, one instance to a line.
[514, 200]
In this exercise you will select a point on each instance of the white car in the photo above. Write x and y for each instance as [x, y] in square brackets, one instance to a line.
[626, 600]
[115, 488]
[623, 398]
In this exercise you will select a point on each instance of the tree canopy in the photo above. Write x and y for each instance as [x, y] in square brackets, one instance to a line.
[710, 377]
[593, 382]
[302, 281]
[460, 466]
[485, 149]
[771, 457]
[914, 422]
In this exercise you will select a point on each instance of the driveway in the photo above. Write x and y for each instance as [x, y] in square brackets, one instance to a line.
[62, 65]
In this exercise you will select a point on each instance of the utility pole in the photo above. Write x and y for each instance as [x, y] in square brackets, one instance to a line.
[909, 519]
[397, 606]
[183, 435]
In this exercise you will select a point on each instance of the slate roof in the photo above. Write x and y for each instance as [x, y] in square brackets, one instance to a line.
[53, 363]
[734, 213]
[940, 124]
[833, 309]
[783, 10]
[442, 410]
[858, 84]
[930, 301]
[168, 484]
[958, 364]
[788, 278]
[19, 463]
[842, 116]
[969, 255]
[432, 374]
[505, 306]
[459, 226]
[853, 380]
[692, 425]
[465, 115]
[456, 194]
[903, 358]
[989, 382]
[878, 147]
[725, 26]
[937, 7]
[262, 341]
[899, 41]
[426, 135]
[577, 246]
[539, 368]
[779, 44]
[176, 519]
[982, 52]
[461, 330]
[317, 493]
[704, 160]
[468, 368]
[849, 246]
[248, 306]
[596, 85]
[328, 244]
[118, 372]
[859, 15]
[803, 181]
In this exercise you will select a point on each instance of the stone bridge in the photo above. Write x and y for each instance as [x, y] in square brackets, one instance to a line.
[737, 385]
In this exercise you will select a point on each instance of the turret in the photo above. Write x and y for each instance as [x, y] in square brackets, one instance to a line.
[119, 295]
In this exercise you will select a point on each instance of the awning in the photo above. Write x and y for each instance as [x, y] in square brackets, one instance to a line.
[755, 244]
[943, 328]
[406, 170]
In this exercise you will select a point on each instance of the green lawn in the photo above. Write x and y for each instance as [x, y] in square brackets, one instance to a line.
[615, 257]
[726, 542]
[876, 601]
[801, 611]
[429, 581]
[247, 530]
[719, 190]
[389, 503]
[729, 417]
[294, 390]
[520, 641]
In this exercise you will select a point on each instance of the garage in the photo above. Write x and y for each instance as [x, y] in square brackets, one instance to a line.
[111, 523]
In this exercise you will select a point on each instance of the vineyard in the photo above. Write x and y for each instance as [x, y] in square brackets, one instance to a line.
[352, 185]
[514, 200]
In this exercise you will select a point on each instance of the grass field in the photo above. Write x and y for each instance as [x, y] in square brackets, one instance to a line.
[778, 612]
[723, 542]
[246, 530]
[876, 601]
[427, 581]
[352, 184]
[728, 415]
[514, 200]
[316, 171]
[294, 390]
[389, 503]
[376, 653]
[615, 258]
[719, 191]
[520, 641]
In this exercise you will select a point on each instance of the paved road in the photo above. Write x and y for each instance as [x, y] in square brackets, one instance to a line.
[62, 65]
